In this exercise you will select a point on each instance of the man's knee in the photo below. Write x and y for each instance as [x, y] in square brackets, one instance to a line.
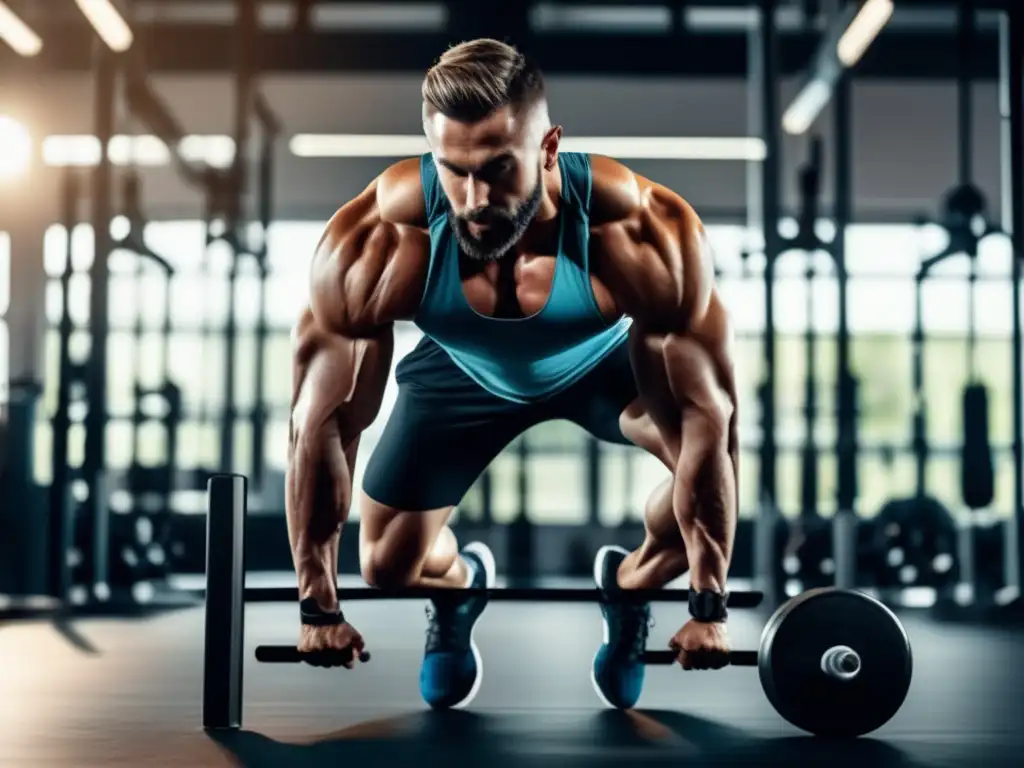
[386, 570]
[390, 557]
[394, 544]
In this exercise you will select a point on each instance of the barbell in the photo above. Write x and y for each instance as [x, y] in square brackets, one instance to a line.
[288, 654]
[833, 662]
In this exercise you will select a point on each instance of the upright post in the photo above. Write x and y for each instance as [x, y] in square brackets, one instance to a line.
[225, 601]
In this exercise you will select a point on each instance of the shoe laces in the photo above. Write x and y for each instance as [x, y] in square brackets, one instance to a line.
[444, 630]
[635, 622]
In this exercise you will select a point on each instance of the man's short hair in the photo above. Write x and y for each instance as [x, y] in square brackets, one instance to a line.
[478, 77]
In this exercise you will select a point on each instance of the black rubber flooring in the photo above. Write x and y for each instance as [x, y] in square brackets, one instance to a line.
[128, 692]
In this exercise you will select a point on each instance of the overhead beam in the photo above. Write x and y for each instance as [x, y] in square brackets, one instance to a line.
[208, 49]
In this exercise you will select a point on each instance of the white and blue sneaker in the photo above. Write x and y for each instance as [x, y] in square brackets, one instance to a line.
[452, 669]
[618, 670]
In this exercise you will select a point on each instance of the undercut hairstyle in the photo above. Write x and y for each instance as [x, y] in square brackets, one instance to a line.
[478, 77]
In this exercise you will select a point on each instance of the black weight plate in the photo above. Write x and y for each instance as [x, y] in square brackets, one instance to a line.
[789, 662]
[916, 544]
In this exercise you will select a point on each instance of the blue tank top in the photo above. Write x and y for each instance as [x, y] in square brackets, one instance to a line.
[520, 359]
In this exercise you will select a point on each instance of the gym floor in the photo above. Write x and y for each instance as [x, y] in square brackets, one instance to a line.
[113, 692]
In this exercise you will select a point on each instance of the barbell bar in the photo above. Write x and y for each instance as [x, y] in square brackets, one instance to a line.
[740, 599]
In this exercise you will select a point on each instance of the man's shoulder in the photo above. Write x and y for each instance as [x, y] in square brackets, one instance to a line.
[619, 194]
[614, 194]
[395, 197]
[400, 196]
[648, 245]
[372, 259]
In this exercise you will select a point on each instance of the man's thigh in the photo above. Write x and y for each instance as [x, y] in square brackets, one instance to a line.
[597, 401]
[443, 432]
[606, 403]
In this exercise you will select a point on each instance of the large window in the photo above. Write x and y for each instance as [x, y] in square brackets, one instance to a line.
[882, 261]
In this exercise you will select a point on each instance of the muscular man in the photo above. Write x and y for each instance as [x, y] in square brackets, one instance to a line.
[548, 285]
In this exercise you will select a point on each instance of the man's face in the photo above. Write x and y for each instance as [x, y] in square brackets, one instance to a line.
[491, 174]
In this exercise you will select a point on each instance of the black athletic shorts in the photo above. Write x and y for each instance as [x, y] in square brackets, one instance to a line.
[445, 428]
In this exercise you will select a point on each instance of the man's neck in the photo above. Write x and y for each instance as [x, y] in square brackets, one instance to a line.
[543, 230]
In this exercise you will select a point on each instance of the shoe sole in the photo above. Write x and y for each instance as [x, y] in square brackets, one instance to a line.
[599, 558]
[483, 552]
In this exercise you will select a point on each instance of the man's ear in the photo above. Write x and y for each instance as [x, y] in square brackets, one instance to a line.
[549, 146]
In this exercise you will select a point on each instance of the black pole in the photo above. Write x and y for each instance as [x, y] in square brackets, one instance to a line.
[245, 42]
[233, 194]
[763, 79]
[225, 601]
[807, 241]
[965, 34]
[265, 207]
[94, 465]
[259, 407]
[844, 529]
[59, 581]
[919, 422]
[965, 160]
[770, 205]
[809, 451]
[1012, 102]
[593, 482]
[487, 500]
[521, 555]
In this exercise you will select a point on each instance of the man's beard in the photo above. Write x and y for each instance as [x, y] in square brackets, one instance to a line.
[503, 231]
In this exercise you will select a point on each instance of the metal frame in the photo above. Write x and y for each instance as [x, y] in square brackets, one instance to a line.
[844, 524]
[766, 64]
[764, 97]
[60, 500]
[94, 466]
[1012, 108]
[207, 48]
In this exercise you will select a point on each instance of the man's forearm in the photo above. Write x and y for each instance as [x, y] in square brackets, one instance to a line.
[319, 491]
[339, 390]
[315, 566]
[705, 507]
